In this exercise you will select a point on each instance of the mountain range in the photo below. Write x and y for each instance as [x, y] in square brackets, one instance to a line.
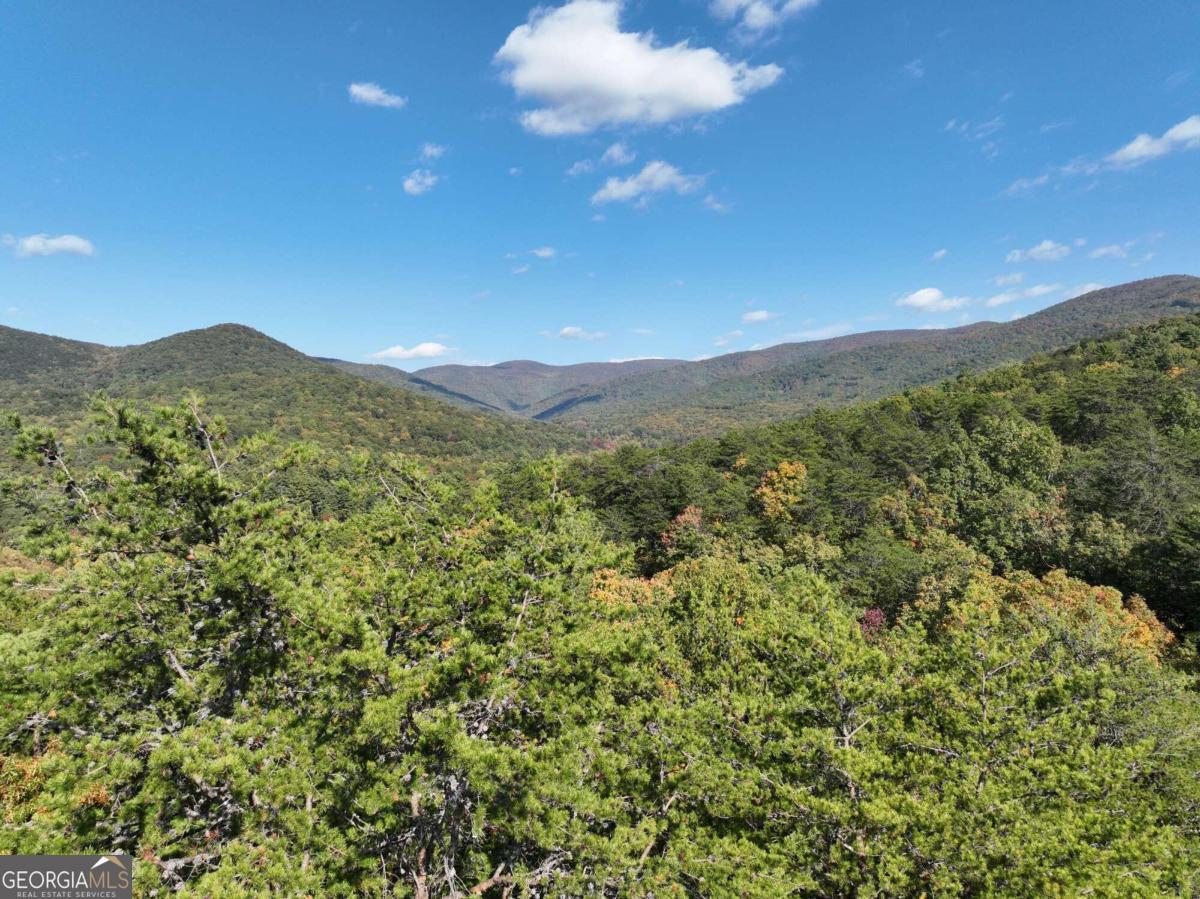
[523, 407]
[257, 383]
[673, 399]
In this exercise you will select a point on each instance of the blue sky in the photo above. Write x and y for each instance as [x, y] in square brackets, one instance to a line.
[439, 181]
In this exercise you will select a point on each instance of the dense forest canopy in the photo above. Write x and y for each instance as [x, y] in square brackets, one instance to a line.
[1086, 460]
[937, 645]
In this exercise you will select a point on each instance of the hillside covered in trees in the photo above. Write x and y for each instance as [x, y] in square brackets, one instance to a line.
[1086, 460]
[712, 396]
[257, 384]
[938, 645]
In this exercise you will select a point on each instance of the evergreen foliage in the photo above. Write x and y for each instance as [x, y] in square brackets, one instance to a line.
[866, 653]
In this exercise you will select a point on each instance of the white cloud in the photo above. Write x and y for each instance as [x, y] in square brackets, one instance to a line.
[1025, 186]
[726, 339]
[1009, 280]
[656, 178]
[520, 269]
[421, 181]
[515, 171]
[589, 74]
[368, 93]
[573, 332]
[756, 16]
[758, 316]
[45, 245]
[428, 350]
[1046, 251]
[716, 205]
[618, 154]
[1082, 289]
[1113, 251]
[939, 255]
[643, 332]
[1041, 290]
[430, 152]
[930, 299]
[546, 252]
[826, 332]
[1144, 147]
[916, 68]
[1029, 293]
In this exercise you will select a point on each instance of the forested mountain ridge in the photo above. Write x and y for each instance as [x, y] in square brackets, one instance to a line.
[652, 399]
[708, 397]
[521, 385]
[513, 387]
[866, 652]
[1085, 460]
[256, 383]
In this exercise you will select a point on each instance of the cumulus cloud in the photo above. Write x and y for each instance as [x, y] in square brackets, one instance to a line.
[1046, 251]
[589, 74]
[939, 255]
[1145, 147]
[656, 178]
[716, 205]
[368, 93]
[1029, 293]
[430, 152]
[45, 245]
[421, 181]
[428, 350]
[758, 316]
[756, 16]
[726, 339]
[618, 154]
[930, 299]
[574, 332]
[1113, 251]
[1142, 149]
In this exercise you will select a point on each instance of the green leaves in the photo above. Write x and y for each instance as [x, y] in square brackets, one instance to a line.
[457, 689]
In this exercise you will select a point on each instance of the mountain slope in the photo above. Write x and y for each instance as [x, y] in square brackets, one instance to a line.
[256, 383]
[515, 387]
[708, 397]
[395, 377]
